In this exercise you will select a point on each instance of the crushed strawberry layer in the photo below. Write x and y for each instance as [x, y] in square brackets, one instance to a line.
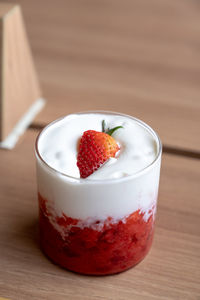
[93, 249]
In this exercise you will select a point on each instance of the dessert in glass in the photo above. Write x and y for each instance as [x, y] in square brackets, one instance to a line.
[102, 222]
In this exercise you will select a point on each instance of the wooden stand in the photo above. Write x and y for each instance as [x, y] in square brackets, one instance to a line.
[19, 88]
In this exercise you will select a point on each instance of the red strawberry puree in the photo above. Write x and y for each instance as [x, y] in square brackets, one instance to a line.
[97, 248]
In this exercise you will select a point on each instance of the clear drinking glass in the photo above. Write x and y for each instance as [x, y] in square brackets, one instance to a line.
[115, 227]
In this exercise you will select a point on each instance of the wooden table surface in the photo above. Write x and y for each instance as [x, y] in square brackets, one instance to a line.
[138, 57]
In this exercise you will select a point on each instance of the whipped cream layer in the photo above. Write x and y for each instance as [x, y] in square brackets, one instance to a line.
[118, 188]
[58, 145]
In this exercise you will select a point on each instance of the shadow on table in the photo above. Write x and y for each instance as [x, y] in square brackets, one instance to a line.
[28, 233]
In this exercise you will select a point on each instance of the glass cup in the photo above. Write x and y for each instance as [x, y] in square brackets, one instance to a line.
[115, 225]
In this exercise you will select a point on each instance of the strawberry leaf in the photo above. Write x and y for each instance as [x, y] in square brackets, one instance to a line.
[112, 130]
[103, 126]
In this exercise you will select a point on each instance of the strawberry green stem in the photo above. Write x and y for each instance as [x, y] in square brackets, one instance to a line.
[109, 131]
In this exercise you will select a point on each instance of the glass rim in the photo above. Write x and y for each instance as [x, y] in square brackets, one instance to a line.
[105, 181]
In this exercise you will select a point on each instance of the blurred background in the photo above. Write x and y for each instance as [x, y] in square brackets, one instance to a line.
[140, 57]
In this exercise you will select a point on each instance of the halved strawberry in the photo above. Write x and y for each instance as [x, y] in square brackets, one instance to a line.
[95, 149]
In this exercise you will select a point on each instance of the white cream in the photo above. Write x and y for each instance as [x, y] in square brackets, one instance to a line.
[59, 144]
[121, 186]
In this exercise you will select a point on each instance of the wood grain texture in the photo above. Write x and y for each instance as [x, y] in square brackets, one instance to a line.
[170, 271]
[139, 57]
[19, 84]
